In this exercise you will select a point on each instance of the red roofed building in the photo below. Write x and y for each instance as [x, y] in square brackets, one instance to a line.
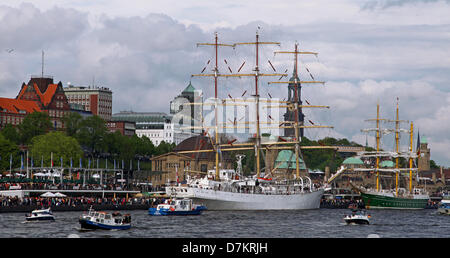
[41, 94]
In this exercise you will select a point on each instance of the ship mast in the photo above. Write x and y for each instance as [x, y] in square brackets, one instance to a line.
[257, 145]
[296, 106]
[397, 144]
[378, 137]
[410, 158]
[216, 74]
[256, 75]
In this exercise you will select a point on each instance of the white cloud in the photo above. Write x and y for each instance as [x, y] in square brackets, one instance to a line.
[145, 51]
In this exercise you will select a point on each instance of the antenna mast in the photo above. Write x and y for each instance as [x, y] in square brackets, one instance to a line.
[42, 74]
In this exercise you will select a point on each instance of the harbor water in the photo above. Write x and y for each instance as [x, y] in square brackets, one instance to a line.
[320, 223]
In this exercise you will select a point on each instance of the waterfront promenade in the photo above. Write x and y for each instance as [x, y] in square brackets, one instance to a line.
[27, 204]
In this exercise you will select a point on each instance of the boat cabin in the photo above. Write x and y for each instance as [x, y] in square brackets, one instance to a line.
[177, 204]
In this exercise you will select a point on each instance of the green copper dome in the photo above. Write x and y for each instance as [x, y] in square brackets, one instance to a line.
[387, 164]
[287, 160]
[353, 161]
[189, 89]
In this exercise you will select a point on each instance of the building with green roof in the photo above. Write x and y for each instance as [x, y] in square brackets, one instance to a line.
[286, 160]
[387, 164]
[353, 161]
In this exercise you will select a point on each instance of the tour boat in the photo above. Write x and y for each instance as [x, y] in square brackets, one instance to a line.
[39, 215]
[357, 217]
[177, 207]
[102, 220]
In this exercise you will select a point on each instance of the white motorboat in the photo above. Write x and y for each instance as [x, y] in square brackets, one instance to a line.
[39, 215]
[444, 205]
[357, 217]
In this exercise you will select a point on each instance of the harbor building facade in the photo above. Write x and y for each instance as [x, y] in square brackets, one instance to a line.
[157, 126]
[174, 166]
[97, 100]
[124, 127]
[186, 109]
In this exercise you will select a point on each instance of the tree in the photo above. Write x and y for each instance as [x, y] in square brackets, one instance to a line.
[164, 147]
[433, 164]
[72, 122]
[92, 134]
[36, 123]
[59, 144]
[11, 133]
[7, 150]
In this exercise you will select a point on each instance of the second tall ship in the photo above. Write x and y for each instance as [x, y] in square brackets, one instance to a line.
[395, 197]
[229, 189]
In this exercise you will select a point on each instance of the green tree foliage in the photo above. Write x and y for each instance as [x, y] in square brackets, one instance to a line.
[11, 133]
[57, 143]
[164, 147]
[321, 158]
[8, 148]
[433, 164]
[72, 123]
[92, 135]
[34, 124]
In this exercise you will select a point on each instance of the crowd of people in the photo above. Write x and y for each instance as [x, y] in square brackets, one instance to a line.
[14, 201]
[76, 186]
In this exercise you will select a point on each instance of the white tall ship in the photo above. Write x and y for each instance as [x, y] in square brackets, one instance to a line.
[227, 189]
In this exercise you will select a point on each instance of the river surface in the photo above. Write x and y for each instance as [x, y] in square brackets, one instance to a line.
[320, 223]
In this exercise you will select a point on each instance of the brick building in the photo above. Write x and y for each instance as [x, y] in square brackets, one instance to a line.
[97, 100]
[124, 127]
[40, 94]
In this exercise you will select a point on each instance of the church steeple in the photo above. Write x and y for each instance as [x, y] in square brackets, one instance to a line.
[290, 115]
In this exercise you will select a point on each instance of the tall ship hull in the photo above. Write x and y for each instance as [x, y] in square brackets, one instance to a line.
[221, 200]
[383, 201]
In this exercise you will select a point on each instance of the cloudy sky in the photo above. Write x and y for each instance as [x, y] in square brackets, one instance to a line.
[145, 51]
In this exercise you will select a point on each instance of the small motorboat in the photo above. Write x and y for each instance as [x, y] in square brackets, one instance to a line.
[39, 215]
[177, 207]
[357, 217]
[102, 220]
[444, 206]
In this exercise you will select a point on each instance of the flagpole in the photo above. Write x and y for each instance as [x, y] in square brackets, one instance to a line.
[28, 175]
[61, 175]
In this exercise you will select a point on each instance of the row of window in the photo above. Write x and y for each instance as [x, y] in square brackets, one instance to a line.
[12, 120]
